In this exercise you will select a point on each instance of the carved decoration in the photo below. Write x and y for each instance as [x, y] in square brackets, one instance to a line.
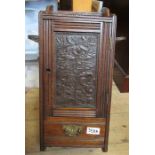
[76, 55]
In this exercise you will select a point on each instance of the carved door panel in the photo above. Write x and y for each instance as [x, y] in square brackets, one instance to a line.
[74, 51]
[76, 76]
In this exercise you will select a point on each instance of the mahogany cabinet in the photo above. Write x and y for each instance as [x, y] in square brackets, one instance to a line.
[76, 68]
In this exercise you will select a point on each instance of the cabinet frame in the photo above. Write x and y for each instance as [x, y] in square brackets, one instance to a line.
[107, 31]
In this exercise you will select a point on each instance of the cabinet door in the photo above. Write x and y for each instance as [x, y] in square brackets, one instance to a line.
[76, 60]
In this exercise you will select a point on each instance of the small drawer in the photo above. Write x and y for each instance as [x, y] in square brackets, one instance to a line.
[74, 131]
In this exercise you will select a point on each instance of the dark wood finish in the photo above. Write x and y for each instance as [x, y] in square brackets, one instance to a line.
[110, 63]
[55, 126]
[55, 136]
[41, 84]
[76, 61]
[77, 112]
[77, 49]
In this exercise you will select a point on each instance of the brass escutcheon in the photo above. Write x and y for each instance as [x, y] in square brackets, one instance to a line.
[72, 130]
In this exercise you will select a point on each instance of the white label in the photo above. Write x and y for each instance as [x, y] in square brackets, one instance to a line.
[93, 131]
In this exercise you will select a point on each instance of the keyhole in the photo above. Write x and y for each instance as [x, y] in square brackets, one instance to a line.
[48, 69]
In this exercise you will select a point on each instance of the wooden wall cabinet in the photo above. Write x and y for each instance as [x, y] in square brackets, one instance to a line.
[76, 67]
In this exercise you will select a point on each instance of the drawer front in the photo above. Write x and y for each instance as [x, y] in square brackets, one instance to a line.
[74, 131]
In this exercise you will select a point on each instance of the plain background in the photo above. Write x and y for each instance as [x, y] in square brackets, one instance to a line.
[142, 77]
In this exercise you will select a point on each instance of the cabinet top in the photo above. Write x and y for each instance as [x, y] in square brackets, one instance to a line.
[105, 14]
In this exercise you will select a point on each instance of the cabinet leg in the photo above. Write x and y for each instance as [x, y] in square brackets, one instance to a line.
[105, 149]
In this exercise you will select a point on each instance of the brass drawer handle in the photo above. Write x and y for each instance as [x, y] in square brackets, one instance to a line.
[72, 130]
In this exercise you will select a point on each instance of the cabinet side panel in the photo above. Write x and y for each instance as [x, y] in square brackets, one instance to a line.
[109, 76]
